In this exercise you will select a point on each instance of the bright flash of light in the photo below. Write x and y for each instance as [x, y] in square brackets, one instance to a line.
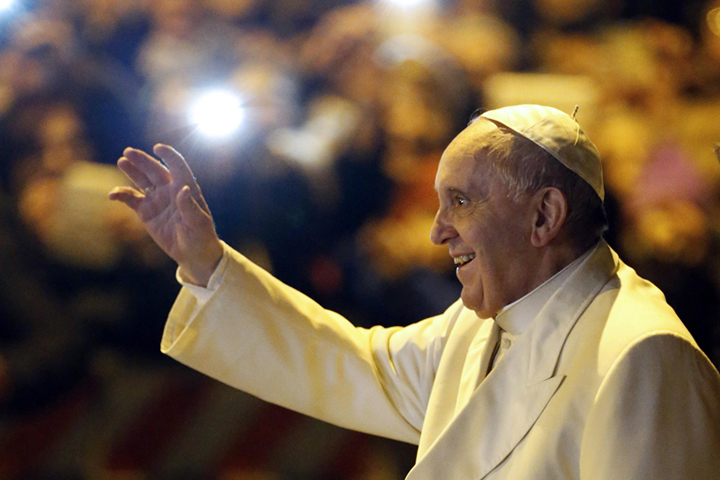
[217, 113]
[408, 3]
[713, 21]
[6, 5]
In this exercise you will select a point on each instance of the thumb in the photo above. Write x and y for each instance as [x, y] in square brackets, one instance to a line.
[189, 209]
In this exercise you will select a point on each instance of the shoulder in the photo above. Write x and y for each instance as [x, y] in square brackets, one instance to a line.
[628, 313]
[640, 309]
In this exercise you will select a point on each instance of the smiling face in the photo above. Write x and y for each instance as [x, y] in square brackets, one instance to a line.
[486, 229]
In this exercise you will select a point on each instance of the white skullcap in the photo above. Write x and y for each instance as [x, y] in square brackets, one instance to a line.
[558, 134]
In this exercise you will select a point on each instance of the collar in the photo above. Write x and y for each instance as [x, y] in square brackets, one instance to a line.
[516, 316]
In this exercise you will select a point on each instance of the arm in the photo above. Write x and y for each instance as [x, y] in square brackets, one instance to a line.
[656, 415]
[263, 337]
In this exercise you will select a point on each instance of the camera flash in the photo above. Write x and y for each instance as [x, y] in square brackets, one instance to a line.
[217, 113]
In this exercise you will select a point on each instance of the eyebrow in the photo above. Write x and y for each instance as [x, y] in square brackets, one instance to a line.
[451, 190]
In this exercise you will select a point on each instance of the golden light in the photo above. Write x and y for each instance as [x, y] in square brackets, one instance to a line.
[713, 21]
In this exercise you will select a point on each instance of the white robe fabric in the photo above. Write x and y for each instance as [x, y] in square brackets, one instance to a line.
[604, 383]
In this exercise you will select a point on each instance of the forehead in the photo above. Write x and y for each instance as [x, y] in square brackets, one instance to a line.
[464, 160]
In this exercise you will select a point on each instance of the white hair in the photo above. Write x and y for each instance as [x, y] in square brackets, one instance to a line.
[526, 168]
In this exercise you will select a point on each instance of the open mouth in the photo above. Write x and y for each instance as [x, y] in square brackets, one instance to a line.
[463, 259]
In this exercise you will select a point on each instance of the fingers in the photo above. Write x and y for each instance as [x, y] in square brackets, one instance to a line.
[178, 167]
[128, 196]
[155, 172]
[191, 212]
[140, 180]
[146, 172]
[181, 172]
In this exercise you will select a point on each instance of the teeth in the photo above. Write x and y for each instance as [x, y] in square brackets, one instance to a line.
[463, 259]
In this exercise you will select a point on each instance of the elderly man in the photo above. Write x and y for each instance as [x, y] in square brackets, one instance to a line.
[559, 362]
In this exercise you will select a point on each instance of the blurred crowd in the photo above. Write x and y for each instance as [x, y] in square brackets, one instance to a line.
[327, 183]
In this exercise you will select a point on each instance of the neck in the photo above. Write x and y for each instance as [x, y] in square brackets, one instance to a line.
[549, 261]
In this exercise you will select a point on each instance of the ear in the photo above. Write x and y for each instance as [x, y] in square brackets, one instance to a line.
[549, 216]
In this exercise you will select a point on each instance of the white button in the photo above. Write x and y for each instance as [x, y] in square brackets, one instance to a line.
[505, 343]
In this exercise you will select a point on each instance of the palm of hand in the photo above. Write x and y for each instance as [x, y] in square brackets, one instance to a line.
[159, 213]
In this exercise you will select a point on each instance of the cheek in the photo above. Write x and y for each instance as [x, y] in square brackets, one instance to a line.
[473, 227]
[512, 229]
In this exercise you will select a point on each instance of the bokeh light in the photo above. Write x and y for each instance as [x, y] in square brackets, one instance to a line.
[713, 21]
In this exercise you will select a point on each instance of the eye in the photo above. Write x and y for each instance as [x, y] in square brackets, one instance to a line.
[459, 201]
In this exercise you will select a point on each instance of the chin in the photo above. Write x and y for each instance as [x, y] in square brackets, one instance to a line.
[473, 303]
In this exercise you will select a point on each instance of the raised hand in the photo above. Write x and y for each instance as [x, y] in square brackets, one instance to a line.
[170, 205]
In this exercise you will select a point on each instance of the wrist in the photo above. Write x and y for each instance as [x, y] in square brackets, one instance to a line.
[199, 270]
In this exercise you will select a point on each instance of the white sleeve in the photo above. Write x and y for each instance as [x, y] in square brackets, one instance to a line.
[263, 337]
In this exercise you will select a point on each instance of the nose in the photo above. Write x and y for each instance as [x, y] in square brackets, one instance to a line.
[442, 231]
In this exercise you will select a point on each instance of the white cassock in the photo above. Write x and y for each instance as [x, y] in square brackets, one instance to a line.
[595, 377]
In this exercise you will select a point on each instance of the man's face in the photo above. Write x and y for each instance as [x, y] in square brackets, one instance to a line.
[487, 232]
